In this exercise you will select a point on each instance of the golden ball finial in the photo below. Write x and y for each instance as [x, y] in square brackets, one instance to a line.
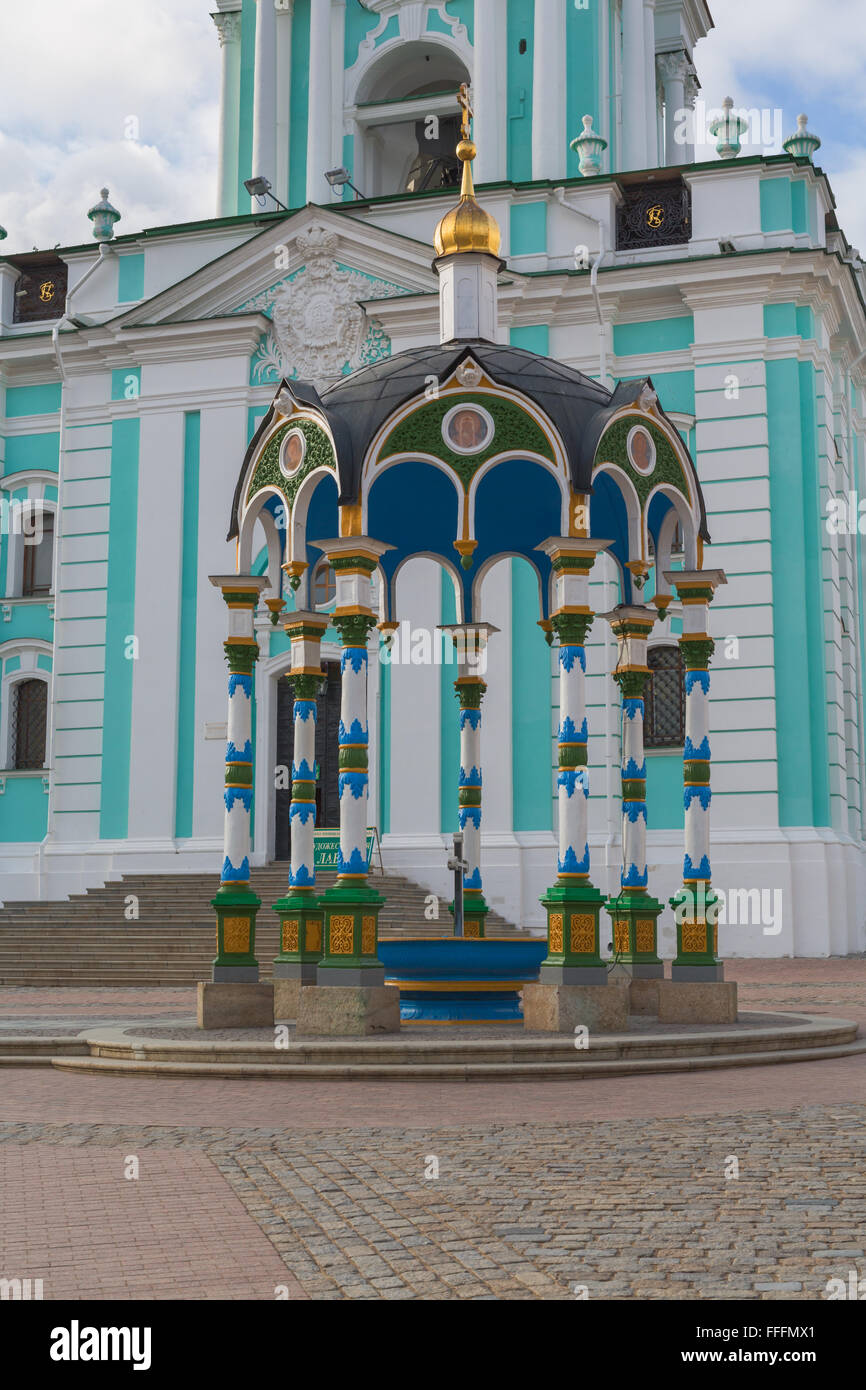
[467, 227]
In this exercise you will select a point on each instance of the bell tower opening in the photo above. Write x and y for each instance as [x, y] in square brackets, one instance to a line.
[406, 127]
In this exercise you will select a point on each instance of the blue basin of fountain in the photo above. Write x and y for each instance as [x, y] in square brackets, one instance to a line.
[459, 979]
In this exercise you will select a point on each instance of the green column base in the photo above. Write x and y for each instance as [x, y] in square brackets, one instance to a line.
[573, 944]
[695, 909]
[236, 910]
[634, 919]
[302, 922]
[351, 917]
[475, 912]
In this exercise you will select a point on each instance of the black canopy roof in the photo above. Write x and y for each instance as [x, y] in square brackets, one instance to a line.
[358, 406]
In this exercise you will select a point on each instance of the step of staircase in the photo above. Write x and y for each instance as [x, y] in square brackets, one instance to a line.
[86, 941]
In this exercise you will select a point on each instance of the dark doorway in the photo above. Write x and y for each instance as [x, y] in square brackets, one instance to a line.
[327, 755]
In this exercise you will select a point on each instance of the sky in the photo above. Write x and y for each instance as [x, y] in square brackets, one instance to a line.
[125, 93]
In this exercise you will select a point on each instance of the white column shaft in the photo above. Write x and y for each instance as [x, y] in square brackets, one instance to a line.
[633, 85]
[353, 781]
[238, 795]
[549, 135]
[319, 106]
[650, 86]
[572, 781]
[265, 93]
[489, 91]
[302, 813]
[283, 98]
[469, 819]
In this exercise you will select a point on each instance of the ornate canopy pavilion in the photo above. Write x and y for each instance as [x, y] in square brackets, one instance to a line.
[466, 453]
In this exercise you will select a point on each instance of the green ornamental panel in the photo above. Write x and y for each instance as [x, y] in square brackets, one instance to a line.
[267, 472]
[421, 433]
[668, 469]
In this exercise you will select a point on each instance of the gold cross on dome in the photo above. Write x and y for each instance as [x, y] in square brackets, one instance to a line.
[464, 97]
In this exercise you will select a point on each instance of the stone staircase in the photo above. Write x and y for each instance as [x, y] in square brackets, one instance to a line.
[87, 941]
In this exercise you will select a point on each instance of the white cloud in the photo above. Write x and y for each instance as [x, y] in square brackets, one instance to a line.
[76, 78]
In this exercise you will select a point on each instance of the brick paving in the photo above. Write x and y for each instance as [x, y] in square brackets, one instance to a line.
[326, 1190]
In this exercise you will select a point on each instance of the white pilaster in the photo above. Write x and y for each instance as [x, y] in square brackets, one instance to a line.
[651, 88]
[549, 135]
[284, 12]
[319, 105]
[674, 68]
[489, 91]
[229, 31]
[634, 71]
[265, 93]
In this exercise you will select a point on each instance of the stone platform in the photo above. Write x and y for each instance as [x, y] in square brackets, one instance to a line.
[496, 1052]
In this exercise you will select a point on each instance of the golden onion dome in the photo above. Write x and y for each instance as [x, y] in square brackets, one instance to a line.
[467, 227]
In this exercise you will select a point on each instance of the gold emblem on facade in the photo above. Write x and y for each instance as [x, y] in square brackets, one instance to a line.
[583, 933]
[291, 929]
[554, 934]
[46, 291]
[236, 936]
[342, 933]
[655, 215]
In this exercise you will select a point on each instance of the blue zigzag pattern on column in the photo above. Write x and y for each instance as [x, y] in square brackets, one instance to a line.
[571, 777]
[302, 877]
[569, 734]
[633, 810]
[632, 706]
[233, 794]
[243, 755]
[356, 657]
[355, 782]
[305, 709]
[633, 772]
[302, 810]
[356, 733]
[702, 870]
[471, 778]
[571, 864]
[355, 864]
[472, 717]
[466, 813]
[302, 772]
[634, 878]
[242, 683]
[701, 678]
[703, 794]
[472, 880]
[568, 656]
[231, 875]
[701, 753]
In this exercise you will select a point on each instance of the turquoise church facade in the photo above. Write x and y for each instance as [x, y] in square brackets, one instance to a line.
[131, 394]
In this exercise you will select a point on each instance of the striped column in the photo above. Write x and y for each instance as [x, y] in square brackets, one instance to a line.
[696, 903]
[300, 911]
[470, 642]
[351, 907]
[235, 904]
[573, 903]
[633, 912]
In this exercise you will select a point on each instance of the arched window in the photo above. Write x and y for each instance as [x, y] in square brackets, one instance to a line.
[29, 719]
[324, 586]
[665, 701]
[38, 558]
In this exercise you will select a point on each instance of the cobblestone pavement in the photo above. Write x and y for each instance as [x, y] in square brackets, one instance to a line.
[329, 1191]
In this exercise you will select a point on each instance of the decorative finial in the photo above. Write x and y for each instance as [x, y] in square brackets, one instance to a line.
[590, 146]
[802, 144]
[728, 128]
[467, 227]
[103, 216]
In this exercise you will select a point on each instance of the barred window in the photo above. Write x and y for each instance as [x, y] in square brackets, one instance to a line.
[665, 721]
[28, 723]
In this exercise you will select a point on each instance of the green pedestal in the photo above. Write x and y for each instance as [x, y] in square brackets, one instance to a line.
[696, 910]
[573, 944]
[634, 919]
[351, 916]
[236, 910]
[302, 922]
[475, 912]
